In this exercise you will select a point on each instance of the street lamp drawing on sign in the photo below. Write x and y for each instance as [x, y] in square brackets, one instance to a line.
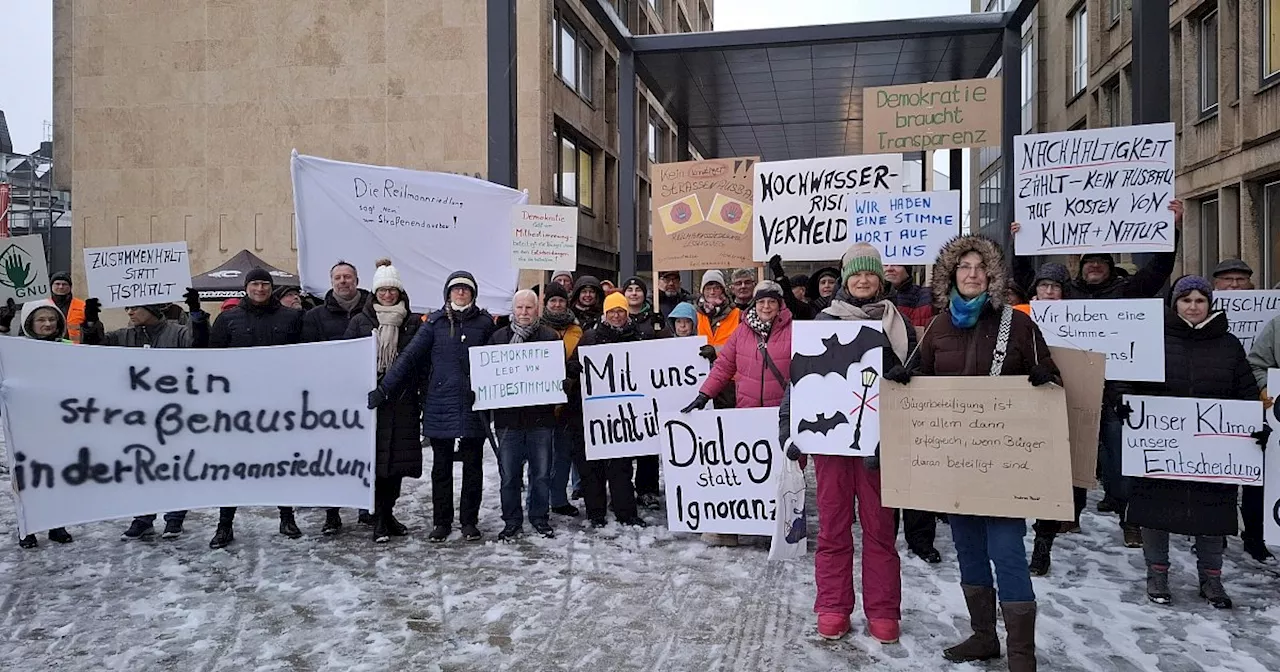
[869, 377]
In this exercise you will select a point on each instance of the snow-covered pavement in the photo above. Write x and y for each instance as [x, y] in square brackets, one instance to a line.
[611, 599]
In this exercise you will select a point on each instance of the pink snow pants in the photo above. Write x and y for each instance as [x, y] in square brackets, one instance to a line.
[841, 481]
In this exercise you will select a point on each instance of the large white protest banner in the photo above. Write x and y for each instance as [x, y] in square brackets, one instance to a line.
[135, 275]
[721, 470]
[907, 228]
[1271, 469]
[158, 430]
[24, 275]
[544, 237]
[428, 224]
[835, 382]
[800, 206]
[1130, 332]
[629, 389]
[1094, 190]
[1248, 311]
[1185, 439]
[511, 376]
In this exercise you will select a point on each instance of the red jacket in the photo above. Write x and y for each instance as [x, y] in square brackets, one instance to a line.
[741, 361]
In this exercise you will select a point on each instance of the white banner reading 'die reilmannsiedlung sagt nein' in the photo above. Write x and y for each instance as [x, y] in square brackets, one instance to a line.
[835, 386]
[1186, 439]
[136, 275]
[721, 470]
[1248, 311]
[629, 389]
[154, 430]
[428, 224]
[800, 206]
[1271, 468]
[1094, 190]
[512, 376]
[907, 228]
[1130, 332]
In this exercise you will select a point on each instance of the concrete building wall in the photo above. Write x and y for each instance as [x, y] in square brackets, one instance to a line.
[1226, 157]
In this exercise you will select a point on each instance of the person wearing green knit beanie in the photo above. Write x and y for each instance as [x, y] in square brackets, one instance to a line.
[860, 257]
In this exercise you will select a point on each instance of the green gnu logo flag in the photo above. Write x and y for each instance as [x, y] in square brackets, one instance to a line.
[19, 272]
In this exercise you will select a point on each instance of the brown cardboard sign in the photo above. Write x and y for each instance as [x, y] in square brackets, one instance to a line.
[1083, 375]
[925, 117]
[701, 214]
[978, 445]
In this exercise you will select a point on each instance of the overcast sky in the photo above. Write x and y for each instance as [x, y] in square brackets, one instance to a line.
[26, 84]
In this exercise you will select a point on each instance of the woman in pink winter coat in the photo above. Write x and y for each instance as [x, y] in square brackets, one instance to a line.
[757, 357]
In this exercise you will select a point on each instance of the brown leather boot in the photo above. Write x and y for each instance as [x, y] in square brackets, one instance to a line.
[983, 644]
[1020, 622]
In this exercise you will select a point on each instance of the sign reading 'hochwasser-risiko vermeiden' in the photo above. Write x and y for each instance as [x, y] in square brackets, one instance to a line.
[157, 430]
[907, 228]
[628, 389]
[1248, 311]
[1096, 190]
[512, 376]
[800, 206]
[1184, 439]
[1129, 331]
[721, 470]
[134, 275]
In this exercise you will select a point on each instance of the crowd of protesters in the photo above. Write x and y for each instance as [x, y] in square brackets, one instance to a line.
[972, 319]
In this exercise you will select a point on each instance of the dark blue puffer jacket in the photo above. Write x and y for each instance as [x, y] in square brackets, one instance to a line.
[440, 348]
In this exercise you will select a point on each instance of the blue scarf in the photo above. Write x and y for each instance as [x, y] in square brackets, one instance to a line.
[964, 312]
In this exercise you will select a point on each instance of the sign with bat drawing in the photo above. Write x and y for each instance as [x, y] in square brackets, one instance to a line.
[835, 382]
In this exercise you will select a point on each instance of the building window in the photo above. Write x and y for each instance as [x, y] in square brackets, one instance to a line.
[1080, 50]
[996, 5]
[1208, 235]
[1111, 99]
[1271, 232]
[989, 201]
[657, 142]
[1117, 6]
[574, 57]
[575, 174]
[1208, 34]
[1270, 38]
[1028, 85]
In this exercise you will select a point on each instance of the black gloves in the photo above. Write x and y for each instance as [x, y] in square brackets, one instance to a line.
[92, 310]
[793, 453]
[873, 462]
[1262, 436]
[1040, 375]
[699, 402]
[7, 314]
[898, 374]
[471, 399]
[1123, 411]
[566, 384]
[376, 397]
[573, 368]
[708, 352]
[192, 299]
[775, 266]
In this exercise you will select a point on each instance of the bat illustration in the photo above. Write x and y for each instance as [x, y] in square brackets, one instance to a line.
[822, 425]
[798, 530]
[836, 357]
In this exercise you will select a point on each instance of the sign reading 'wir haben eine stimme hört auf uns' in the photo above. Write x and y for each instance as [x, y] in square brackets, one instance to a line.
[1096, 190]
[629, 389]
[1129, 331]
[135, 275]
[800, 206]
[1186, 439]
[908, 228]
[167, 429]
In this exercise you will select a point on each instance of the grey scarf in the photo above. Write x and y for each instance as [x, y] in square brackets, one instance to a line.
[521, 334]
[390, 319]
[895, 326]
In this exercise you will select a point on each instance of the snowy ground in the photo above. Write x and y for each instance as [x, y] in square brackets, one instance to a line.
[613, 599]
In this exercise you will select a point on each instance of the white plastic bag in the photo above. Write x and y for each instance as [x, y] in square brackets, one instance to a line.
[790, 531]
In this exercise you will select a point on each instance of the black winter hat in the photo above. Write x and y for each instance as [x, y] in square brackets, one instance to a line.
[258, 275]
[553, 290]
[638, 282]
[160, 310]
[60, 275]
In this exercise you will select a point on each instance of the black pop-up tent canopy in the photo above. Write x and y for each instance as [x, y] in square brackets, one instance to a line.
[227, 280]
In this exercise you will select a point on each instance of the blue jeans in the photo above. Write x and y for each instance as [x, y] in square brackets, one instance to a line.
[561, 465]
[515, 448]
[1111, 452]
[983, 541]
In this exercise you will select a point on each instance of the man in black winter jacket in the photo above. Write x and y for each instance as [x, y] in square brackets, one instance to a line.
[670, 293]
[150, 328]
[259, 320]
[328, 322]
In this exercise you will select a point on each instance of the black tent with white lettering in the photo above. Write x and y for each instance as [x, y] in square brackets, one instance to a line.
[227, 280]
